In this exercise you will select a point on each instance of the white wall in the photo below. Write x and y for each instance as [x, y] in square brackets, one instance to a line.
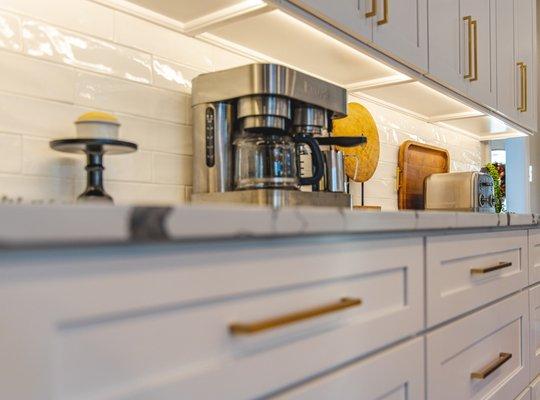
[517, 175]
[60, 58]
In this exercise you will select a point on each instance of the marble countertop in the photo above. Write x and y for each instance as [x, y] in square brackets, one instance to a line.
[22, 225]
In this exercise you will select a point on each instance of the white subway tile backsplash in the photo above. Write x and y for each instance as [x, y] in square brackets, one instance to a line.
[389, 153]
[172, 169]
[79, 15]
[129, 97]
[40, 160]
[36, 117]
[385, 189]
[31, 77]
[134, 32]
[49, 42]
[385, 170]
[11, 156]
[10, 32]
[40, 188]
[61, 58]
[170, 75]
[385, 204]
[135, 167]
[156, 135]
[176, 139]
[144, 193]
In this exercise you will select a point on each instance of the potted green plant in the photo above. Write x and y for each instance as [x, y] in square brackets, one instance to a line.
[496, 171]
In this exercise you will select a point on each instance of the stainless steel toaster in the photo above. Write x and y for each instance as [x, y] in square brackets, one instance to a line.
[459, 191]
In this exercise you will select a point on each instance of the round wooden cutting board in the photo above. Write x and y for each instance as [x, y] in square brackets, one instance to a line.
[360, 162]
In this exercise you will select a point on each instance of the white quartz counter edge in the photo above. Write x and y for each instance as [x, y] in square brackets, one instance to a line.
[65, 224]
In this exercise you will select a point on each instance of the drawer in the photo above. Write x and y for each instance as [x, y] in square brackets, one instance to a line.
[394, 374]
[145, 327]
[535, 389]
[534, 256]
[534, 305]
[482, 356]
[464, 272]
[525, 395]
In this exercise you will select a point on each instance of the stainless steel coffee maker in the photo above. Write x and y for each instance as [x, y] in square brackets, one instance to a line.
[249, 126]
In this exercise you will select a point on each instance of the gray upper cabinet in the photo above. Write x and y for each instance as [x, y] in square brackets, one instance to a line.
[516, 64]
[396, 27]
[401, 30]
[462, 47]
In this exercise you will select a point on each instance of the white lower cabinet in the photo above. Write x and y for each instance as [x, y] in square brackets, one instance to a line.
[534, 256]
[238, 322]
[467, 271]
[534, 305]
[525, 395]
[482, 356]
[397, 373]
[535, 389]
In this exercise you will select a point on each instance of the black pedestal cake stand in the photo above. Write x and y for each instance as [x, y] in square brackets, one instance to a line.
[94, 149]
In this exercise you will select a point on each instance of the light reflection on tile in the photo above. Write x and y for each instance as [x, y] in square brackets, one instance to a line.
[48, 42]
[173, 76]
[10, 32]
[109, 93]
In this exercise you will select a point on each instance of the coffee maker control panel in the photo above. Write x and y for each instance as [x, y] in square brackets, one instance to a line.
[210, 125]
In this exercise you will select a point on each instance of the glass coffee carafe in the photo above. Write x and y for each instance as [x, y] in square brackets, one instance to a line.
[268, 160]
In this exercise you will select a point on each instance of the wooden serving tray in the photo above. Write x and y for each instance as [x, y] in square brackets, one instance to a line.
[416, 162]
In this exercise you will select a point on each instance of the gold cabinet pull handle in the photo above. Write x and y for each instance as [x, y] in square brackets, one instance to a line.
[521, 106]
[524, 89]
[272, 323]
[468, 19]
[480, 271]
[474, 25]
[373, 11]
[491, 367]
[385, 14]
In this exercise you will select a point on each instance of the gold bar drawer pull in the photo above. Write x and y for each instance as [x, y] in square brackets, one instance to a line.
[480, 271]
[373, 11]
[491, 367]
[385, 14]
[271, 323]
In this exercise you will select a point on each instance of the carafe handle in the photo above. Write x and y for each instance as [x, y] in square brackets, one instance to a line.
[317, 157]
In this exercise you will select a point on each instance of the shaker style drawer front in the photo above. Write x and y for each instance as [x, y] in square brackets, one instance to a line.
[535, 389]
[397, 373]
[482, 356]
[467, 271]
[159, 340]
[525, 395]
[534, 305]
[534, 256]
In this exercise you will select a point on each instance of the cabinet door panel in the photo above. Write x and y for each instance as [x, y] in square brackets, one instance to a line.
[482, 87]
[452, 286]
[167, 336]
[404, 35]
[347, 15]
[507, 71]
[535, 390]
[446, 50]
[534, 312]
[397, 373]
[525, 395]
[460, 355]
[524, 27]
